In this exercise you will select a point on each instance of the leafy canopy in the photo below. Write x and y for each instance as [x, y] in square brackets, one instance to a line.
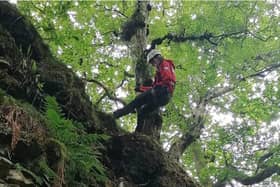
[241, 55]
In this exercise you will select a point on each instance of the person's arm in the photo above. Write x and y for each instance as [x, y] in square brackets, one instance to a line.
[144, 88]
[147, 84]
[167, 73]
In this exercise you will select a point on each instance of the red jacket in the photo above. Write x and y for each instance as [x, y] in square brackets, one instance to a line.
[165, 75]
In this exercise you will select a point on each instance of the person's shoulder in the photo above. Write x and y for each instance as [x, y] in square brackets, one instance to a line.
[168, 61]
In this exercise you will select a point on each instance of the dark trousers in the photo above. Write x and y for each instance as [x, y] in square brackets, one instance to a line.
[146, 102]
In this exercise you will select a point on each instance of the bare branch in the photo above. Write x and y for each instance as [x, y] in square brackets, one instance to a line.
[100, 99]
[126, 75]
[206, 36]
[219, 92]
[260, 38]
[39, 9]
[108, 64]
[237, 34]
[107, 91]
[112, 10]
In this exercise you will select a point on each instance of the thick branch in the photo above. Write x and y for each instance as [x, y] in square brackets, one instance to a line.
[206, 36]
[197, 122]
[250, 180]
[267, 172]
[179, 147]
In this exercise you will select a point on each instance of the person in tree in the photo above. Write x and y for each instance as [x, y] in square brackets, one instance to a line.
[156, 95]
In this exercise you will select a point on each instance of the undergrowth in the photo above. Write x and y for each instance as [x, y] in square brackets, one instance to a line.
[81, 148]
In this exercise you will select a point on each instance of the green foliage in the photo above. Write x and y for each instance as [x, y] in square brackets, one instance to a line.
[37, 179]
[81, 148]
[46, 170]
[85, 36]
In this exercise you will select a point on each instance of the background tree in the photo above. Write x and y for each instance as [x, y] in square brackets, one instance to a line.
[222, 123]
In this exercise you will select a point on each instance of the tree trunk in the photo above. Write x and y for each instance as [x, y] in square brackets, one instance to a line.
[150, 124]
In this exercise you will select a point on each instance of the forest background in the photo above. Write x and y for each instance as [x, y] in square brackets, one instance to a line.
[226, 55]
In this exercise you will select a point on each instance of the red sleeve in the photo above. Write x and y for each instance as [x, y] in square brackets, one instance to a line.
[167, 74]
[144, 88]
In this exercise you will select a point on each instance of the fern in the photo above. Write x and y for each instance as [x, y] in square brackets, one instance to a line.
[82, 157]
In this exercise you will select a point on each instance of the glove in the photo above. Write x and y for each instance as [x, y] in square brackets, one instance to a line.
[137, 89]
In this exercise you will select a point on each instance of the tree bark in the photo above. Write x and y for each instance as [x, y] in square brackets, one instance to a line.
[150, 124]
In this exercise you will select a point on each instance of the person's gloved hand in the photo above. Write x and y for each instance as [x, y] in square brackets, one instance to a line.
[137, 89]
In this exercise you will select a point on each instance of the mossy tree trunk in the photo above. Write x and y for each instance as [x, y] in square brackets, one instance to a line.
[150, 124]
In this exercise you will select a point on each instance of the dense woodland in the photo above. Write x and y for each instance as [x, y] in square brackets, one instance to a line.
[66, 66]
